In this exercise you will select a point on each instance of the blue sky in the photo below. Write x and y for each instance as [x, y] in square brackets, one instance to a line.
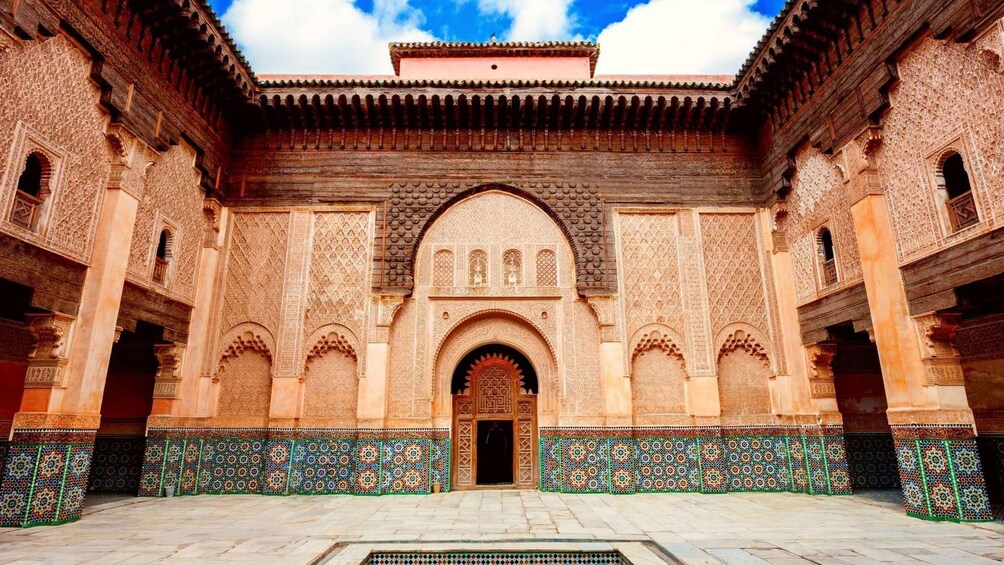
[636, 37]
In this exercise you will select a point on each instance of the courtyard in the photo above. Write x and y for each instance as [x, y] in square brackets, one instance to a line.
[645, 528]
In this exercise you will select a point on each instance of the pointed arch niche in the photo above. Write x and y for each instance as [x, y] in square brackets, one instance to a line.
[658, 377]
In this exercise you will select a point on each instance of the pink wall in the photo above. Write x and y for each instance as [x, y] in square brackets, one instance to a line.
[480, 68]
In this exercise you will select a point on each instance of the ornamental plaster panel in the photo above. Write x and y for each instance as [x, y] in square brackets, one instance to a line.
[340, 262]
[732, 266]
[51, 102]
[172, 191]
[414, 208]
[254, 272]
[650, 271]
[946, 90]
[819, 197]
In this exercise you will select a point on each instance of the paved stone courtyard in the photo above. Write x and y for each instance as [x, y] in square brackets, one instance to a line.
[647, 528]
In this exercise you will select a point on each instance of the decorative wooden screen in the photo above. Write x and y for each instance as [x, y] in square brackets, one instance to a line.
[494, 391]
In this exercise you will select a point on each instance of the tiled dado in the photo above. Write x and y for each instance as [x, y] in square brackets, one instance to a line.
[941, 473]
[116, 464]
[871, 460]
[282, 462]
[45, 477]
[711, 460]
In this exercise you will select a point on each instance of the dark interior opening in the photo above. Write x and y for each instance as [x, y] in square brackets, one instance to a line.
[494, 452]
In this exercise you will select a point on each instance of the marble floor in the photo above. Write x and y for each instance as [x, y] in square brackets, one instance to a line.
[646, 528]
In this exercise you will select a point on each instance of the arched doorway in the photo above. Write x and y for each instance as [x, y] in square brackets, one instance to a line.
[494, 390]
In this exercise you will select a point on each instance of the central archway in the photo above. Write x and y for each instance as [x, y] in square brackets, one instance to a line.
[494, 389]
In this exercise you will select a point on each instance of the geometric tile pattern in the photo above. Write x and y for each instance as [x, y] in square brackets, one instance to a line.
[364, 462]
[495, 558]
[872, 461]
[45, 477]
[710, 460]
[941, 474]
[116, 464]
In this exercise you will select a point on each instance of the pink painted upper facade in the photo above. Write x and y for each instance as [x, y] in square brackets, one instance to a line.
[496, 68]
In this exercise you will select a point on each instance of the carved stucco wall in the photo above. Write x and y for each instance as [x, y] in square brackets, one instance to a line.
[172, 198]
[948, 94]
[300, 280]
[819, 198]
[50, 103]
[560, 329]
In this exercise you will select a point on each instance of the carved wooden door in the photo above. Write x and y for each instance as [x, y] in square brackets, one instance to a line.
[493, 391]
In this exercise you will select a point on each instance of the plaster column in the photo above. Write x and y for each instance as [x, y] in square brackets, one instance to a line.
[617, 400]
[200, 342]
[61, 408]
[371, 411]
[928, 410]
[792, 385]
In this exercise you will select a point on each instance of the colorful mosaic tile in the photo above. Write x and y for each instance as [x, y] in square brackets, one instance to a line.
[941, 474]
[872, 461]
[339, 462]
[690, 460]
[117, 463]
[45, 480]
[405, 467]
[495, 558]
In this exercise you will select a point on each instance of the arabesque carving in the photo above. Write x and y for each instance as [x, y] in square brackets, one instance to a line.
[169, 358]
[937, 332]
[656, 339]
[743, 340]
[820, 356]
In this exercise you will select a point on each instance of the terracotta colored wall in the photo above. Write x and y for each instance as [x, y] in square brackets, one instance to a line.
[481, 68]
[860, 390]
[981, 345]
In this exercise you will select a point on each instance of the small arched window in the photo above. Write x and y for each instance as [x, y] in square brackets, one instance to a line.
[32, 191]
[547, 268]
[827, 258]
[957, 191]
[512, 268]
[477, 268]
[162, 262]
[442, 268]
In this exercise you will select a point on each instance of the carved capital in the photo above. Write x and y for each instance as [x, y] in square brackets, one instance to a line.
[212, 209]
[52, 333]
[169, 358]
[779, 226]
[820, 357]
[868, 143]
[936, 332]
[605, 309]
[385, 307]
[47, 362]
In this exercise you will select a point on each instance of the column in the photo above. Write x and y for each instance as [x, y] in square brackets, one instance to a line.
[371, 410]
[617, 401]
[53, 434]
[931, 421]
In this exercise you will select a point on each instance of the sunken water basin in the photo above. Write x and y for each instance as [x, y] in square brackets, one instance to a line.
[496, 558]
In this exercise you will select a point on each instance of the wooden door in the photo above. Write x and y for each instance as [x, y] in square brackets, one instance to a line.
[493, 390]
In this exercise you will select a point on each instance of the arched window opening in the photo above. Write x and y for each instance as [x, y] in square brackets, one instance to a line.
[547, 268]
[442, 268]
[827, 258]
[953, 180]
[512, 268]
[478, 269]
[163, 260]
[32, 190]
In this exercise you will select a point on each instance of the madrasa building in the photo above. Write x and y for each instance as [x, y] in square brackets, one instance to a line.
[498, 269]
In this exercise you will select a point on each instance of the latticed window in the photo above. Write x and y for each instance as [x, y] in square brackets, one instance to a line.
[827, 258]
[957, 190]
[547, 268]
[477, 265]
[32, 190]
[162, 262]
[442, 268]
[512, 268]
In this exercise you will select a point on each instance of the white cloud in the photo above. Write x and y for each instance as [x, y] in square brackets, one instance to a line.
[322, 36]
[533, 20]
[681, 37]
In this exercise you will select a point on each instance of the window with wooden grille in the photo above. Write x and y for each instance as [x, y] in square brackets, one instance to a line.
[162, 261]
[957, 191]
[32, 192]
[827, 258]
